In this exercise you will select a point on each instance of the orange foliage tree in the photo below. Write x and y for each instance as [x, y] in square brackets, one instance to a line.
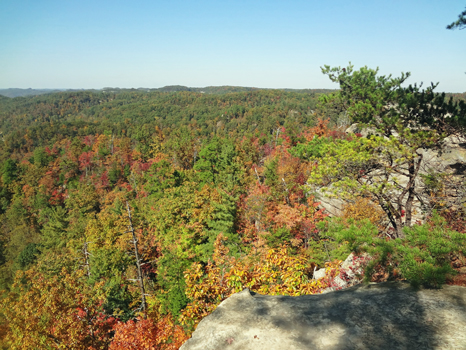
[147, 334]
[260, 215]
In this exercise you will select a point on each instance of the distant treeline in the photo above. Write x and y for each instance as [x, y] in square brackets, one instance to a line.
[171, 88]
[28, 122]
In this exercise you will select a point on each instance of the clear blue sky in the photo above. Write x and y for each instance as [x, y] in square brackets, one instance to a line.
[271, 44]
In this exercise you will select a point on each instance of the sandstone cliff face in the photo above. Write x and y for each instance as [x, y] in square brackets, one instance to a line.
[375, 316]
[450, 161]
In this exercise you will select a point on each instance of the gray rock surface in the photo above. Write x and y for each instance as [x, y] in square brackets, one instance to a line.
[332, 205]
[449, 160]
[375, 316]
[320, 273]
[351, 272]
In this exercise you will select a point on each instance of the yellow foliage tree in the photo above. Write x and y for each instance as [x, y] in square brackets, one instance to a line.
[57, 312]
[272, 271]
[363, 208]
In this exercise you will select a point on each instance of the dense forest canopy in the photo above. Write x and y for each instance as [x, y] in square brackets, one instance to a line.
[48, 118]
[128, 215]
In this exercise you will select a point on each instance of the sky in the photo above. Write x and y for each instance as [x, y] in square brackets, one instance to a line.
[265, 44]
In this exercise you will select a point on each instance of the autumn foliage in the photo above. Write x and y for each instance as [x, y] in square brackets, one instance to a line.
[224, 192]
[147, 334]
[57, 312]
[267, 271]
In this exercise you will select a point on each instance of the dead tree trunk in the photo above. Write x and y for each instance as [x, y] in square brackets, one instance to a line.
[138, 261]
[86, 259]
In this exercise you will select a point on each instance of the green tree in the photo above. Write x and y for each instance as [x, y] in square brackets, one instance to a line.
[171, 279]
[460, 23]
[403, 120]
[41, 158]
[9, 171]
[28, 256]
[54, 231]
[161, 176]
[210, 163]
[423, 257]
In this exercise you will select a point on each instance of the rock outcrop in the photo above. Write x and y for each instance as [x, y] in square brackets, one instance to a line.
[375, 316]
[351, 272]
[449, 160]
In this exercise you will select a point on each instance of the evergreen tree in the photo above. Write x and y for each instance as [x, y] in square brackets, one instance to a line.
[9, 171]
[405, 119]
[460, 23]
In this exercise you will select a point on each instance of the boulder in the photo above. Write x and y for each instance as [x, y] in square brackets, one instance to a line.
[449, 160]
[389, 315]
[351, 272]
[320, 273]
[364, 132]
[333, 205]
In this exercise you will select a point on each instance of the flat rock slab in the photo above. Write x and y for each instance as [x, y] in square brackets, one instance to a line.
[375, 316]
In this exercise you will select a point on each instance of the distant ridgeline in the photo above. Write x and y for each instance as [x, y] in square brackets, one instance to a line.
[42, 117]
[26, 92]
[41, 120]
[171, 88]
[46, 116]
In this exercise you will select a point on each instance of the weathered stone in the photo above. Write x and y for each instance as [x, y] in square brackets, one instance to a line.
[339, 282]
[333, 206]
[319, 273]
[354, 265]
[357, 129]
[351, 271]
[449, 160]
[374, 316]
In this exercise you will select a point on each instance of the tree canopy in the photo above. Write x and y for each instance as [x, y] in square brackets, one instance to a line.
[127, 216]
[460, 23]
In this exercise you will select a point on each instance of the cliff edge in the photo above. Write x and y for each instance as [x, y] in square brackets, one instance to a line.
[375, 316]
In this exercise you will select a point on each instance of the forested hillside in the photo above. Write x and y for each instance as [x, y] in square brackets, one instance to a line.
[128, 215]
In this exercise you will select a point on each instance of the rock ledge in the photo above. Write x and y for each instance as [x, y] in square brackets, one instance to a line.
[374, 316]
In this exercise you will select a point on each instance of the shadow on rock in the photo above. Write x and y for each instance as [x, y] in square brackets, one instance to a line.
[375, 316]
